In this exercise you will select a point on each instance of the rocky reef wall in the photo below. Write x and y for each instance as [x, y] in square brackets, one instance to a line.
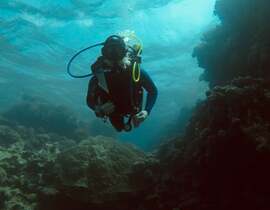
[221, 162]
[239, 45]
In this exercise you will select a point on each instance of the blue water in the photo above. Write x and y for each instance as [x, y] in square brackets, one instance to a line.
[37, 38]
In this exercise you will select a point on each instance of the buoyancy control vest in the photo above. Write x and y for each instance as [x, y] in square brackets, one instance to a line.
[116, 84]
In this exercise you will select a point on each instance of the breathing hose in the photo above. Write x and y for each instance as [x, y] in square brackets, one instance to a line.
[75, 55]
[135, 68]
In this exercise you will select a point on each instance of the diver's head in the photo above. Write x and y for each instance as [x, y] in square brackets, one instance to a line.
[114, 48]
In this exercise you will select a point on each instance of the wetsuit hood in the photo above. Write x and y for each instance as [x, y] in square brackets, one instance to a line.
[114, 48]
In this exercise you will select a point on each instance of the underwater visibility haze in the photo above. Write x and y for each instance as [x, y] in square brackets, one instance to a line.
[200, 141]
[38, 38]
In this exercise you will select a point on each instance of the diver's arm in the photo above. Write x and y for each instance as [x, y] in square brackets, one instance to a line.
[150, 87]
[91, 98]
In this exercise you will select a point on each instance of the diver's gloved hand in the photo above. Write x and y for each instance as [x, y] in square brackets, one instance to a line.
[104, 109]
[139, 118]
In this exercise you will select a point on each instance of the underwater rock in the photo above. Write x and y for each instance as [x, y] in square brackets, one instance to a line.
[221, 162]
[23, 171]
[13, 195]
[31, 139]
[14, 199]
[96, 173]
[43, 168]
[239, 46]
[3, 176]
[47, 118]
[8, 136]
[54, 120]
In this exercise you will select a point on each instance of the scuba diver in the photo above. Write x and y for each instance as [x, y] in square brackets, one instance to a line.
[115, 91]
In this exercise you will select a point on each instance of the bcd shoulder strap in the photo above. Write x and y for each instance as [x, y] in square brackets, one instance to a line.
[98, 69]
[100, 74]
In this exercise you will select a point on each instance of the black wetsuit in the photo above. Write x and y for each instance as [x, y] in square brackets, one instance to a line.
[124, 93]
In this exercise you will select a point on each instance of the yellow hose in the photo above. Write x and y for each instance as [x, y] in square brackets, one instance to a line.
[136, 66]
[137, 79]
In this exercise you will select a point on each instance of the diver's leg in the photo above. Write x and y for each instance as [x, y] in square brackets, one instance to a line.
[117, 121]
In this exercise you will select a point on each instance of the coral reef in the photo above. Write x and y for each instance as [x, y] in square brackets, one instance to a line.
[47, 118]
[240, 45]
[13, 192]
[46, 170]
[95, 174]
[221, 162]
[25, 158]
[8, 136]
[228, 146]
